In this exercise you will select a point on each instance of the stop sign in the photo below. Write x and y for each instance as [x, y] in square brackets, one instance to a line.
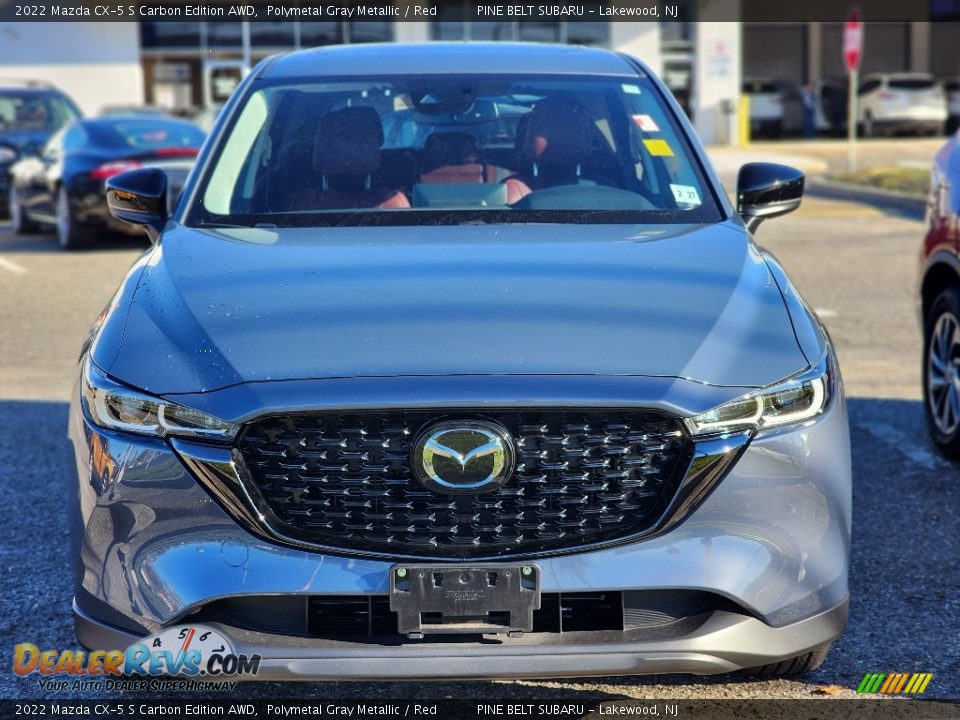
[853, 41]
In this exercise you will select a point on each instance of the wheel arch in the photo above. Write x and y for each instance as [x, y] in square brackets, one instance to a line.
[939, 276]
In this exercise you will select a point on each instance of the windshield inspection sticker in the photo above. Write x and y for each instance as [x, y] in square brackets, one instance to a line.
[686, 195]
[658, 147]
[631, 89]
[646, 123]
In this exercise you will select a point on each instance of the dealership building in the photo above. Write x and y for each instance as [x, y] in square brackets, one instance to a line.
[701, 55]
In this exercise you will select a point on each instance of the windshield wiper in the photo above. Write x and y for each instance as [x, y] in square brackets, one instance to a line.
[208, 224]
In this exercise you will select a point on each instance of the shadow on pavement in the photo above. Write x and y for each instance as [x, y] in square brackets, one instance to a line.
[47, 243]
[894, 204]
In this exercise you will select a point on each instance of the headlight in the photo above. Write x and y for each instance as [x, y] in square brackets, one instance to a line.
[800, 398]
[113, 406]
[7, 154]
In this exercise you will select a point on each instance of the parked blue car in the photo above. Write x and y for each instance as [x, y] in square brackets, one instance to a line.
[30, 112]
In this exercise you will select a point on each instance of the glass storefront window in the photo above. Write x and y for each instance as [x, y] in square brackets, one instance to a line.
[272, 34]
[679, 31]
[540, 31]
[453, 23]
[589, 33]
[169, 34]
[320, 33]
[366, 31]
[490, 31]
[224, 35]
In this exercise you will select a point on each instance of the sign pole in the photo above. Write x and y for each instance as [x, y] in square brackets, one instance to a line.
[852, 55]
[852, 122]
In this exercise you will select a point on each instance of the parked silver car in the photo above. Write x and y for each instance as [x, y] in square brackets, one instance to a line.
[514, 396]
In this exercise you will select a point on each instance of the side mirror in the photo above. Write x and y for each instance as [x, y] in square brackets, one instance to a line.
[139, 197]
[766, 190]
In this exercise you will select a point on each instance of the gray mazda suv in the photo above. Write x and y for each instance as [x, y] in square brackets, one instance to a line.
[454, 361]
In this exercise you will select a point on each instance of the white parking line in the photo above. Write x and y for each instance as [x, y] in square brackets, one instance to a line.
[12, 266]
[889, 435]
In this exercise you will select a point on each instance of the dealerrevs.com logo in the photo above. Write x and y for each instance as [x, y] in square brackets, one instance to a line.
[185, 651]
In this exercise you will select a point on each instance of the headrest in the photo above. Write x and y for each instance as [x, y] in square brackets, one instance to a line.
[442, 149]
[348, 142]
[559, 134]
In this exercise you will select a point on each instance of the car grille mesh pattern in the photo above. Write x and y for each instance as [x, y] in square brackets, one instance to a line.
[344, 480]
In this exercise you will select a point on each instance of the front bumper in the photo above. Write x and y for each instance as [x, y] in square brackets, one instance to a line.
[727, 642]
[917, 115]
[772, 539]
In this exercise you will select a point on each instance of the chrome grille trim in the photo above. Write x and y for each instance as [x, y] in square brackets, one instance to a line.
[343, 480]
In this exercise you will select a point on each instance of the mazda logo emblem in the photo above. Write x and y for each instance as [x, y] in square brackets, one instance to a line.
[463, 457]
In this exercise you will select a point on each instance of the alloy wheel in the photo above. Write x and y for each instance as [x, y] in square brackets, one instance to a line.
[943, 373]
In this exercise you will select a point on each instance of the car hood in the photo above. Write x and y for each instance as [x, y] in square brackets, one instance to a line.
[216, 308]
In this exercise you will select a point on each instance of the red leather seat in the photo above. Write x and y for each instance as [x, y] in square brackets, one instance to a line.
[556, 141]
[346, 156]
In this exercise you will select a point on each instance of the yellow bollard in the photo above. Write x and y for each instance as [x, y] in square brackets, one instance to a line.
[744, 117]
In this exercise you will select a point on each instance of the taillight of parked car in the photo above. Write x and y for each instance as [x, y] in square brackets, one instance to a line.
[177, 152]
[115, 167]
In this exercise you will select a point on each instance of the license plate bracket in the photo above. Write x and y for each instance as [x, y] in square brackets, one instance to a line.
[461, 599]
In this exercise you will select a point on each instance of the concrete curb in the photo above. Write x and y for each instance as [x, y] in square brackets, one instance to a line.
[907, 203]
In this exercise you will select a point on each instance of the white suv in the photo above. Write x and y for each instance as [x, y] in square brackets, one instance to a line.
[901, 101]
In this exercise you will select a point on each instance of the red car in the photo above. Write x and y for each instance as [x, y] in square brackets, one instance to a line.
[940, 297]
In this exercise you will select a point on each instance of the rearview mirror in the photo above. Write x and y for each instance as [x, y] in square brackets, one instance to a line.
[766, 190]
[139, 197]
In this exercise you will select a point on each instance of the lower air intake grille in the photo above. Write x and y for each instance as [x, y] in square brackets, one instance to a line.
[652, 613]
[344, 480]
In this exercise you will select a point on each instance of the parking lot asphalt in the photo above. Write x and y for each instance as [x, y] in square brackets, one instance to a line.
[855, 264]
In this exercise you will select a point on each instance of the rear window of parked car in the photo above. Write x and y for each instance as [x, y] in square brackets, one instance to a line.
[34, 111]
[146, 134]
[911, 84]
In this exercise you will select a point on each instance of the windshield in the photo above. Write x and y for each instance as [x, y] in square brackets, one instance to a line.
[453, 149]
[34, 112]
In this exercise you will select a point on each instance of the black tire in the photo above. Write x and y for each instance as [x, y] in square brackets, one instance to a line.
[946, 305]
[71, 235]
[869, 128]
[792, 667]
[19, 222]
[953, 122]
